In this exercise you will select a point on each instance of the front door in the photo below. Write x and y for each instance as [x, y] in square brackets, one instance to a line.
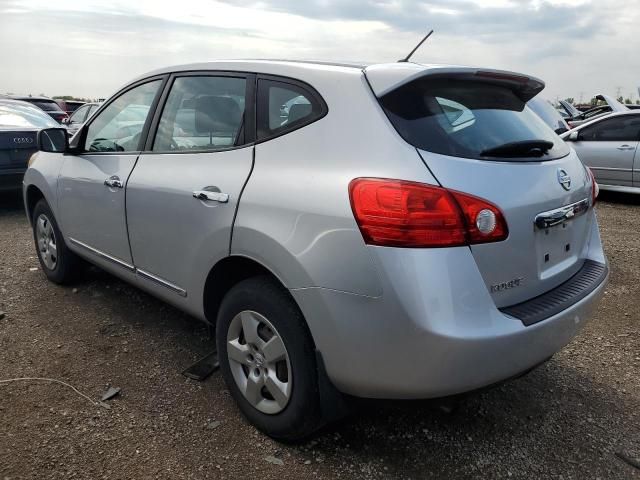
[608, 147]
[183, 194]
[91, 184]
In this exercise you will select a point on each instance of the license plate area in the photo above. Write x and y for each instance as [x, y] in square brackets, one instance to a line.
[560, 238]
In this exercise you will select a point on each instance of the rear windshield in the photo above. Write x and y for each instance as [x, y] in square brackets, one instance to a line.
[470, 119]
[47, 106]
[23, 115]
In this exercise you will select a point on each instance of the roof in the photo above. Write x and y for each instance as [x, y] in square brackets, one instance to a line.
[266, 66]
[15, 101]
[382, 77]
[28, 98]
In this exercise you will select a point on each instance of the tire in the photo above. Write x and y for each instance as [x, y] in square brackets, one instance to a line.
[262, 302]
[58, 263]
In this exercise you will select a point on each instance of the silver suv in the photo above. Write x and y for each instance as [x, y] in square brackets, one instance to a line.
[396, 231]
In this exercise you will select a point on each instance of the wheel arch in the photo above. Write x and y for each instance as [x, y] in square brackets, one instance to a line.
[229, 272]
[32, 196]
[233, 269]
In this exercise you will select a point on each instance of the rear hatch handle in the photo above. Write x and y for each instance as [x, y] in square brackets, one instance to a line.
[560, 215]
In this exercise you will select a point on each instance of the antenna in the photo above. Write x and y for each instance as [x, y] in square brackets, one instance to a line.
[416, 48]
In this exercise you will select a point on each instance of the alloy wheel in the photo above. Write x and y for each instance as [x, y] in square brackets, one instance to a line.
[259, 362]
[46, 238]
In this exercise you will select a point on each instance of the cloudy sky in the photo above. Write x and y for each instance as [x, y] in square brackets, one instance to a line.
[91, 47]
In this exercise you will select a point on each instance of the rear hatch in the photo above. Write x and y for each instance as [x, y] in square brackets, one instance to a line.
[16, 146]
[476, 135]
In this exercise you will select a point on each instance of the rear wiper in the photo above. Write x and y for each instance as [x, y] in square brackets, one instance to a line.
[525, 148]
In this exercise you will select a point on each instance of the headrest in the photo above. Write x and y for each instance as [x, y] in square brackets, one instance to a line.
[298, 111]
[217, 114]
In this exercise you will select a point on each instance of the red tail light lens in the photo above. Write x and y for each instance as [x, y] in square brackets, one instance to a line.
[595, 188]
[407, 214]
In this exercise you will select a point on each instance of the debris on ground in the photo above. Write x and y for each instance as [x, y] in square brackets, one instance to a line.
[634, 462]
[213, 425]
[109, 394]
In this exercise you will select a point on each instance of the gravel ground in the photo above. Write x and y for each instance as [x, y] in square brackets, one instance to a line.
[568, 419]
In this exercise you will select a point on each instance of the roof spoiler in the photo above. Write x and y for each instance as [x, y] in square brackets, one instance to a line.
[388, 77]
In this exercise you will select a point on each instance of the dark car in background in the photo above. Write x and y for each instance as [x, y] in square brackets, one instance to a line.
[19, 126]
[70, 106]
[48, 105]
[81, 115]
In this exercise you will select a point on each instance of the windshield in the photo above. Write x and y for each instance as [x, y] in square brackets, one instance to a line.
[463, 118]
[24, 116]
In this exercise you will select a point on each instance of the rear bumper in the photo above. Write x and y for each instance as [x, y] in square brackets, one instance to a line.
[435, 331]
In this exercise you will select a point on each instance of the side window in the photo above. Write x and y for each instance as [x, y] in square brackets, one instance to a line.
[119, 126]
[202, 113]
[79, 115]
[284, 106]
[457, 115]
[618, 129]
[92, 110]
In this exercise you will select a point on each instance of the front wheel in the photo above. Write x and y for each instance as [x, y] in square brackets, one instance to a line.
[58, 263]
[267, 359]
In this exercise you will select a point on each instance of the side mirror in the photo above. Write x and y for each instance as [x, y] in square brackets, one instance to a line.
[53, 140]
[574, 136]
[65, 121]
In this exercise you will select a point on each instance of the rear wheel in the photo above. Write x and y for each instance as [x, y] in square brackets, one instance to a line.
[59, 264]
[267, 359]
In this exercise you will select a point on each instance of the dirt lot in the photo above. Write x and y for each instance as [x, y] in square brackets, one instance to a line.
[568, 419]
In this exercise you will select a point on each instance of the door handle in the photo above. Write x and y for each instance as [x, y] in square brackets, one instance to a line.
[114, 182]
[626, 147]
[211, 196]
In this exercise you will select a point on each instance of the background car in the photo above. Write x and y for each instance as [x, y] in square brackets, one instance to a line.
[19, 126]
[48, 105]
[568, 110]
[548, 114]
[80, 116]
[577, 118]
[70, 106]
[609, 147]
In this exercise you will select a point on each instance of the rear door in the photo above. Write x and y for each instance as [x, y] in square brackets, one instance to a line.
[183, 194]
[609, 146]
[91, 195]
[477, 136]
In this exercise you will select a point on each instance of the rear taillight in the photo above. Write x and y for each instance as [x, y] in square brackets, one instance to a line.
[398, 213]
[595, 188]
[484, 221]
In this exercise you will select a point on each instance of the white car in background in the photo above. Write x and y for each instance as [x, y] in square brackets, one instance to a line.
[608, 145]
